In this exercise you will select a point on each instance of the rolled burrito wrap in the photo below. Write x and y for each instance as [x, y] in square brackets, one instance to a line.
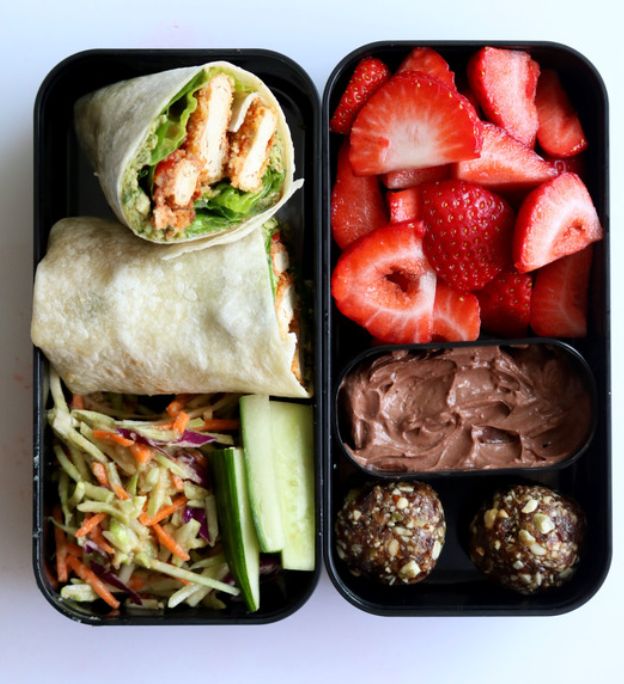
[112, 315]
[121, 128]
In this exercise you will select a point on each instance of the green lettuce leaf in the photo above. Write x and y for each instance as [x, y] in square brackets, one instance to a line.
[172, 129]
[227, 205]
[230, 203]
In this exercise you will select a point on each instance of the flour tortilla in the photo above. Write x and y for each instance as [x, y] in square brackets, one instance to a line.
[112, 315]
[114, 123]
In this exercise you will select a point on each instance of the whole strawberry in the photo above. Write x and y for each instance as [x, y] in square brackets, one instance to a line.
[469, 233]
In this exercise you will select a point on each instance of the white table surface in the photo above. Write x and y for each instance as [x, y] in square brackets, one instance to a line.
[327, 637]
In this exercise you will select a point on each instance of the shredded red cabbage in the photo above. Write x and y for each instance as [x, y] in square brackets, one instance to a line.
[196, 439]
[199, 514]
[269, 564]
[91, 547]
[114, 581]
[197, 471]
[188, 438]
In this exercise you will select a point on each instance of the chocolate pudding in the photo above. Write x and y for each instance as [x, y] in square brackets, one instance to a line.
[474, 407]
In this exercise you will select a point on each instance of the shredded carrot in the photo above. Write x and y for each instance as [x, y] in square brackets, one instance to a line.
[77, 401]
[218, 424]
[164, 512]
[183, 581]
[99, 539]
[99, 471]
[74, 550]
[181, 421]
[177, 482]
[92, 579]
[142, 453]
[174, 408]
[108, 436]
[50, 577]
[136, 583]
[170, 543]
[144, 519]
[120, 492]
[163, 426]
[89, 523]
[60, 542]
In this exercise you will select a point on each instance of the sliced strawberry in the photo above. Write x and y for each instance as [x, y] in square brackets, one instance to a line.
[559, 301]
[357, 205]
[471, 97]
[569, 164]
[469, 232]
[413, 121]
[404, 205]
[455, 315]
[556, 219]
[406, 178]
[384, 282]
[369, 74]
[504, 82]
[429, 62]
[506, 305]
[560, 132]
[505, 163]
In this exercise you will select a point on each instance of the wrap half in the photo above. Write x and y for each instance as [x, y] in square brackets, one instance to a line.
[199, 153]
[112, 315]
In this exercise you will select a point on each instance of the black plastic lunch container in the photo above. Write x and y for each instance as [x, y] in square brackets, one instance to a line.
[456, 587]
[64, 185]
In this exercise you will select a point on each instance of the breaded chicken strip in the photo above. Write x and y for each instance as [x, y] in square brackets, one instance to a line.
[176, 183]
[286, 301]
[250, 147]
[207, 127]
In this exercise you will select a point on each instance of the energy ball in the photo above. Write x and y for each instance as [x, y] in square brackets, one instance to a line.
[392, 532]
[528, 538]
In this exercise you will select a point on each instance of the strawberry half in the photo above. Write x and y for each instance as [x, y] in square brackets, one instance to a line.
[404, 205]
[406, 178]
[559, 301]
[429, 62]
[357, 205]
[413, 121]
[560, 132]
[504, 82]
[455, 315]
[469, 232]
[369, 74]
[506, 305]
[505, 163]
[569, 164]
[384, 282]
[556, 219]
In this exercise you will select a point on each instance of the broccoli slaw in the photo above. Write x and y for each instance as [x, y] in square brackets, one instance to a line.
[137, 517]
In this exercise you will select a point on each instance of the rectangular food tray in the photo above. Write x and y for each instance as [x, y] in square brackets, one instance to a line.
[456, 587]
[64, 185]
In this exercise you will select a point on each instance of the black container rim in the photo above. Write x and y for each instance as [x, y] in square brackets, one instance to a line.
[391, 476]
[456, 611]
[166, 619]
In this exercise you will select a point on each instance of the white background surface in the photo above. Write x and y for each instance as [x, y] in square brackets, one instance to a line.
[327, 638]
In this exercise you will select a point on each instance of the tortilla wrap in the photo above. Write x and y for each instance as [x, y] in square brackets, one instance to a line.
[112, 315]
[117, 127]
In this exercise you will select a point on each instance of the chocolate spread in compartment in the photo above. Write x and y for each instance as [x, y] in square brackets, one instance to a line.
[465, 408]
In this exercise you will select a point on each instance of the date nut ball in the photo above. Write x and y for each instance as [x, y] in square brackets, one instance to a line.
[528, 538]
[392, 532]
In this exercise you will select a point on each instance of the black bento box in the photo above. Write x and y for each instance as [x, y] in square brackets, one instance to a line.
[64, 185]
[456, 587]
